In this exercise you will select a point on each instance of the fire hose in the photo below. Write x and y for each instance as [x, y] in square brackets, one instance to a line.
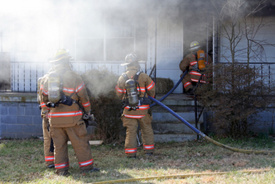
[205, 136]
[182, 176]
[173, 89]
[193, 174]
[200, 134]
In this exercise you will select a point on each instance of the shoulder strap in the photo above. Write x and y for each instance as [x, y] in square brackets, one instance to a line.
[125, 76]
[137, 75]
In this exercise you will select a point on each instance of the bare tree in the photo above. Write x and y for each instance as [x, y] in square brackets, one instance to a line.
[239, 89]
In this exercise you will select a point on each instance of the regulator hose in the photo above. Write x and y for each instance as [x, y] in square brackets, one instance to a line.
[206, 137]
[182, 176]
[173, 89]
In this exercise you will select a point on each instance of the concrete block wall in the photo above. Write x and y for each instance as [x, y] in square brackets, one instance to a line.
[20, 118]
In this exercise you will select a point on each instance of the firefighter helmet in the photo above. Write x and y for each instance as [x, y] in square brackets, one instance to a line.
[194, 45]
[60, 55]
[130, 59]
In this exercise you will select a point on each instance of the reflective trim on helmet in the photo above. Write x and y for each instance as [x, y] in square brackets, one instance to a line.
[150, 86]
[61, 166]
[80, 87]
[87, 104]
[86, 163]
[134, 116]
[131, 150]
[49, 158]
[148, 147]
[65, 114]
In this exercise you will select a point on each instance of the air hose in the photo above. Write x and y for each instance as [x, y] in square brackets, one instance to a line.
[171, 91]
[182, 176]
[205, 136]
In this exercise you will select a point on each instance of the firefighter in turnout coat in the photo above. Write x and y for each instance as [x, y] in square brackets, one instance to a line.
[132, 115]
[48, 143]
[195, 63]
[65, 94]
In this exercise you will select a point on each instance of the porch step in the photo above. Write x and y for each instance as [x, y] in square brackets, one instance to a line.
[168, 128]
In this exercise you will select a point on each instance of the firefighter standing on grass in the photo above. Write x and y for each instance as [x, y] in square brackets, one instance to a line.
[133, 88]
[48, 143]
[64, 93]
[195, 63]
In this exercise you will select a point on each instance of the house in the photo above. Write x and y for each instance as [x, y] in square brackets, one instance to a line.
[99, 35]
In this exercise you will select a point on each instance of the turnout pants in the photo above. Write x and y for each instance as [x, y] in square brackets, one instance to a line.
[191, 79]
[48, 150]
[147, 134]
[79, 139]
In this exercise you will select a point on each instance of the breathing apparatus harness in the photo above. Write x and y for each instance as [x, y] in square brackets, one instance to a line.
[56, 94]
[133, 99]
[200, 65]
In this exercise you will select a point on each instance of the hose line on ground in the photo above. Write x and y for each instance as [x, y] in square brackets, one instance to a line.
[182, 176]
[205, 136]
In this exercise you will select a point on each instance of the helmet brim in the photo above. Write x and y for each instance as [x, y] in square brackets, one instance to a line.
[195, 48]
[139, 62]
[53, 60]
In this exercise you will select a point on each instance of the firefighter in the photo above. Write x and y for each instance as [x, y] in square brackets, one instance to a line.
[133, 87]
[65, 94]
[195, 63]
[48, 142]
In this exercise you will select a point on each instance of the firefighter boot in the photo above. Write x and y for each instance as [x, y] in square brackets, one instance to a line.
[51, 166]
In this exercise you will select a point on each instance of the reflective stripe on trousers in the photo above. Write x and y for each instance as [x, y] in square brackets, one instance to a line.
[61, 166]
[86, 163]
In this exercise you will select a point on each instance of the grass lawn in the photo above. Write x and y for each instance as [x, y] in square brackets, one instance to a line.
[22, 161]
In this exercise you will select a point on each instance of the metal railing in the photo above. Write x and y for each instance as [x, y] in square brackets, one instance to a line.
[24, 75]
[266, 71]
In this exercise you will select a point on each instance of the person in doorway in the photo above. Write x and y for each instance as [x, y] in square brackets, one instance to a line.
[48, 142]
[133, 88]
[195, 63]
[66, 96]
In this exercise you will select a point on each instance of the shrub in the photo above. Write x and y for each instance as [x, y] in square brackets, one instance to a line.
[106, 107]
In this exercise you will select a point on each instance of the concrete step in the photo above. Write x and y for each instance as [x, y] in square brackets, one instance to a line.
[168, 128]
[160, 117]
[177, 99]
[172, 128]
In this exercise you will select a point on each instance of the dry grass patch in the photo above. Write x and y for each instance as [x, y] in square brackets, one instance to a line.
[22, 161]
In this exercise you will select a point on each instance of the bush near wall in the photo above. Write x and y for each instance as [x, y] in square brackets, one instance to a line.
[106, 107]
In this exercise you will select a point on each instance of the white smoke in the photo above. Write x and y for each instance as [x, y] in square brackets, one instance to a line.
[32, 30]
